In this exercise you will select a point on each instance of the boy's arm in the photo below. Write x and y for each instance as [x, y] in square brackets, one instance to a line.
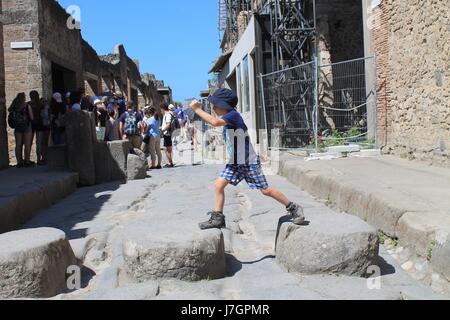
[215, 122]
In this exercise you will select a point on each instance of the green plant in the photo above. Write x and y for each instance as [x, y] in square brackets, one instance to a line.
[431, 249]
[381, 236]
[340, 138]
[384, 237]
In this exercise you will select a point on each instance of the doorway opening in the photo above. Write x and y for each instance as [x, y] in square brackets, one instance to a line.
[64, 80]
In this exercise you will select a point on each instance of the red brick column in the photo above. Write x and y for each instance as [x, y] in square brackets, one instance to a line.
[381, 48]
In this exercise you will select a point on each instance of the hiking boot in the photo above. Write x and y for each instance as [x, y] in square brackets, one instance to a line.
[217, 221]
[295, 211]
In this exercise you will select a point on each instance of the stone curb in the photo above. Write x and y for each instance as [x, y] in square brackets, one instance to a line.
[17, 210]
[413, 229]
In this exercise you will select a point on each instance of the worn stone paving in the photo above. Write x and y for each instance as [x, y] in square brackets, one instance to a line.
[110, 225]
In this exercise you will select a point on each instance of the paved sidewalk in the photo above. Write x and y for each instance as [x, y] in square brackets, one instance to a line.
[406, 200]
[23, 192]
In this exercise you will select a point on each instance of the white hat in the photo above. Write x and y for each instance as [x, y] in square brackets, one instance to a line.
[68, 95]
[97, 101]
[58, 97]
[172, 107]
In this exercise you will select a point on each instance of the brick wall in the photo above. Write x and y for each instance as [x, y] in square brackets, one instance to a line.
[22, 67]
[412, 44]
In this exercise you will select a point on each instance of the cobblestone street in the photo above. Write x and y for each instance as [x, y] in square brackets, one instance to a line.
[225, 150]
[117, 230]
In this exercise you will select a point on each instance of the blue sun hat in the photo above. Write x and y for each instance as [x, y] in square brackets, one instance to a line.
[224, 99]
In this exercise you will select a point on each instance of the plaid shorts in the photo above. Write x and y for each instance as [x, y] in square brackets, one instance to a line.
[252, 174]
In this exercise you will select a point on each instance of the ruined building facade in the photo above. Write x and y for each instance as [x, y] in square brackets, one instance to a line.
[410, 40]
[43, 50]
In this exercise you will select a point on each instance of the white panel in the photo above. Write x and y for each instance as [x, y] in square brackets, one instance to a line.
[22, 45]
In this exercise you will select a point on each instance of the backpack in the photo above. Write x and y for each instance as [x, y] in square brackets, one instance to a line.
[18, 119]
[131, 127]
[175, 126]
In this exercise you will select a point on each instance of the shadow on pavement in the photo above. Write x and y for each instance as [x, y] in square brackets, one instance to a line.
[234, 265]
[79, 208]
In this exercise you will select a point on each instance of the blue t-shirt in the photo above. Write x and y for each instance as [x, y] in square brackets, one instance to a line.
[240, 149]
[180, 114]
[153, 128]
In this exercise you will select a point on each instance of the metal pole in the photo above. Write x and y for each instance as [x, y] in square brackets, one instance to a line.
[264, 104]
[375, 89]
[316, 102]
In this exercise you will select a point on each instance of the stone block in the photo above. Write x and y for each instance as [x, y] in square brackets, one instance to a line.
[344, 149]
[331, 243]
[441, 256]
[57, 158]
[103, 163]
[33, 263]
[119, 151]
[80, 146]
[189, 255]
[136, 168]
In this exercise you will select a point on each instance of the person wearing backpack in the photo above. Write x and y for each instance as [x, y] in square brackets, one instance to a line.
[129, 125]
[20, 118]
[167, 130]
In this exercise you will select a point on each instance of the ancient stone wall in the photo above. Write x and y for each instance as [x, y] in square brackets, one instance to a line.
[4, 159]
[62, 47]
[23, 68]
[412, 43]
[340, 22]
[91, 70]
[58, 60]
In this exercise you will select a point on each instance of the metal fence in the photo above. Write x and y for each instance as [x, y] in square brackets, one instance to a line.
[316, 106]
[289, 101]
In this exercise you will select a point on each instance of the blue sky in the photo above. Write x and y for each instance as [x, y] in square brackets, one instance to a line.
[176, 40]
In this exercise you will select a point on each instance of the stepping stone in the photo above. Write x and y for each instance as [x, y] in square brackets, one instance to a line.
[161, 251]
[331, 243]
[136, 168]
[33, 263]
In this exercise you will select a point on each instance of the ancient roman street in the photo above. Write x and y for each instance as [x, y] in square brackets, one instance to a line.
[178, 152]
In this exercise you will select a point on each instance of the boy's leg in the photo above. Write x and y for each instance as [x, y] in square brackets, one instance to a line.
[231, 175]
[219, 199]
[277, 195]
[294, 209]
[217, 219]
[256, 179]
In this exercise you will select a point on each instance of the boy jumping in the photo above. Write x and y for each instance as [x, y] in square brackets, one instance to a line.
[244, 163]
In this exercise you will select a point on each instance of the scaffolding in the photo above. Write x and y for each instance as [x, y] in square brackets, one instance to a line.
[290, 91]
[293, 30]
[229, 11]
